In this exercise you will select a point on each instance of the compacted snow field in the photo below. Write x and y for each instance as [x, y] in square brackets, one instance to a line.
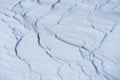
[59, 40]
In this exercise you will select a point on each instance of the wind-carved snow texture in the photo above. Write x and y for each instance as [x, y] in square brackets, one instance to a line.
[59, 40]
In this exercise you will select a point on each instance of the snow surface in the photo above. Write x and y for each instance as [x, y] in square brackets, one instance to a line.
[59, 40]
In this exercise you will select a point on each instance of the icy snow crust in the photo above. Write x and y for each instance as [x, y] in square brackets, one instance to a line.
[59, 40]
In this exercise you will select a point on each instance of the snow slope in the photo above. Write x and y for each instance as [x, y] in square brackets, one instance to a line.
[59, 39]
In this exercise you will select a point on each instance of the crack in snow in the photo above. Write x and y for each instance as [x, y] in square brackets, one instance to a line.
[54, 5]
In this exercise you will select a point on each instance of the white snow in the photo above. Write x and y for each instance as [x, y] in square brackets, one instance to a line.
[59, 40]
